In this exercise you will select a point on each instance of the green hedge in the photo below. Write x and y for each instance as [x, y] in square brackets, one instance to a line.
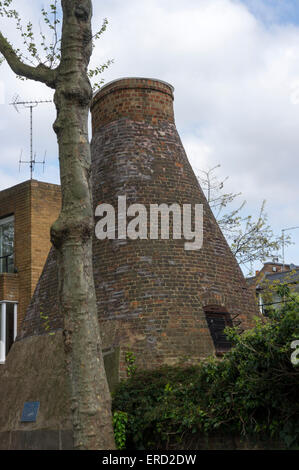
[251, 392]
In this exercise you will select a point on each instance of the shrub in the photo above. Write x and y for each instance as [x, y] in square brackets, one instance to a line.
[252, 391]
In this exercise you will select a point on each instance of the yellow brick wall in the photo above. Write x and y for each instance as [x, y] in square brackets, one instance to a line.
[35, 205]
[9, 287]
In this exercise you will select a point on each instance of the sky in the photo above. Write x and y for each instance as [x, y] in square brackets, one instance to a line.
[235, 69]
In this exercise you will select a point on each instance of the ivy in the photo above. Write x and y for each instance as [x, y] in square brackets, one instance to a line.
[120, 420]
[130, 359]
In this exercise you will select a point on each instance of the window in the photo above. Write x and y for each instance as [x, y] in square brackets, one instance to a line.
[8, 327]
[7, 245]
[217, 320]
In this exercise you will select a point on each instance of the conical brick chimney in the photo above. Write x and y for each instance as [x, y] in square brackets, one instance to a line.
[155, 297]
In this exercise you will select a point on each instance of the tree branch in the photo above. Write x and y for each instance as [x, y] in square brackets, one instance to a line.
[40, 73]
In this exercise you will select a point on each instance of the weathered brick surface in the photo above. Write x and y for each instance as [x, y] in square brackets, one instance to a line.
[44, 303]
[35, 205]
[9, 287]
[138, 99]
[151, 294]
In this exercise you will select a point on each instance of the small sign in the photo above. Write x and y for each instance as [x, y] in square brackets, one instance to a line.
[30, 411]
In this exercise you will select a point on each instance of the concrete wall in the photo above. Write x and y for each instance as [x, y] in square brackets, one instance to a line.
[35, 371]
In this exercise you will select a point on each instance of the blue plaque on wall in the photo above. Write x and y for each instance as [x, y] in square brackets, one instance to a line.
[30, 411]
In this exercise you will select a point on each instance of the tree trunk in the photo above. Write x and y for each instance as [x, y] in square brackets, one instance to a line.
[72, 234]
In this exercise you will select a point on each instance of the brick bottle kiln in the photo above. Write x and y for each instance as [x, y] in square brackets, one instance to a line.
[154, 298]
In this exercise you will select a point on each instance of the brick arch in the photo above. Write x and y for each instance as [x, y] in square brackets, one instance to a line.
[218, 316]
[214, 308]
[215, 299]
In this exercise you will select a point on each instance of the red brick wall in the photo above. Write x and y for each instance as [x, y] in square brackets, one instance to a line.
[151, 293]
[132, 98]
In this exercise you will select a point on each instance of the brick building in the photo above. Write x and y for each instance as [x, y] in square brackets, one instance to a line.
[26, 213]
[268, 279]
[156, 299]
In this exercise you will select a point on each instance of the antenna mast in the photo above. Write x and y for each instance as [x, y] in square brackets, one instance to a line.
[29, 105]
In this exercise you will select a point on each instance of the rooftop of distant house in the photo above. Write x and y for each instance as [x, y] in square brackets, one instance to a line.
[274, 271]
